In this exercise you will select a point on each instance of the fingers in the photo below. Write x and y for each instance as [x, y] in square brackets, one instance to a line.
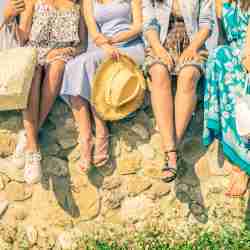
[115, 55]
[18, 5]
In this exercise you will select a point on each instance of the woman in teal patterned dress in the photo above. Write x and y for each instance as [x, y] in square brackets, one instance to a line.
[226, 73]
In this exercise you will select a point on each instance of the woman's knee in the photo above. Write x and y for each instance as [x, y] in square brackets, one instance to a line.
[188, 79]
[159, 76]
[56, 68]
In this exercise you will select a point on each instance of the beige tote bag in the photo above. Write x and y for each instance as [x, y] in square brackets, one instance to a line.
[17, 67]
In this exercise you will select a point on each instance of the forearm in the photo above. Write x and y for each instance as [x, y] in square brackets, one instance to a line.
[199, 39]
[154, 41]
[126, 35]
[247, 44]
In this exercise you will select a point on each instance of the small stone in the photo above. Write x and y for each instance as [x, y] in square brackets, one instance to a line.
[147, 151]
[32, 234]
[140, 130]
[7, 142]
[137, 185]
[20, 214]
[2, 183]
[65, 240]
[12, 172]
[156, 141]
[151, 169]
[112, 182]
[18, 192]
[3, 206]
[8, 233]
[112, 199]
[136, 209]
[158, 190]
[129, 164]
[55, 166]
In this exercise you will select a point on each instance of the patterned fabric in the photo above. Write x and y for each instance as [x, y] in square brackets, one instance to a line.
[53, 28]
[176, 42]
[225, 80]
[196, 14]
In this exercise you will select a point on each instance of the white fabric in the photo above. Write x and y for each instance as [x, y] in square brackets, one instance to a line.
[242, 112]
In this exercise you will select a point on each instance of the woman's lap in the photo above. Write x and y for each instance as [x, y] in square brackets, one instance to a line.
[80, 71]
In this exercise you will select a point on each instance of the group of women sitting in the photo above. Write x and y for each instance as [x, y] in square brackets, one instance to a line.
[169, 39]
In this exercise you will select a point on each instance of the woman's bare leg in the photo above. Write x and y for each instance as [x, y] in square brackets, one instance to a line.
[101, 153]
[50, 88]
[81, 113]
[185, 99]
[162, 103]
[31, 114]
[238, 183]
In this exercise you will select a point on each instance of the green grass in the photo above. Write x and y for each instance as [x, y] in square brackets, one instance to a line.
[226, 240]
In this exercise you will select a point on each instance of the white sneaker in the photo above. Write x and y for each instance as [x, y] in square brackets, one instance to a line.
[18, 157]
[32, 169]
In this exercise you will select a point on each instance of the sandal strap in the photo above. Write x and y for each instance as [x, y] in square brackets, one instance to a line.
[172, 170]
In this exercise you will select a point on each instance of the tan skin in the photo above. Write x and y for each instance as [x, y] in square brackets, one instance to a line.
[81, 109]
[41, 102]
[163, 103]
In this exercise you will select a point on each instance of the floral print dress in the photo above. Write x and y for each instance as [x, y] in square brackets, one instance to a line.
[54, 28]
[225, 81]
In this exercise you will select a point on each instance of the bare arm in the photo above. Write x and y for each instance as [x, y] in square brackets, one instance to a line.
[23, 29]
[246, 56]
[136, 26]
[90, 20]
[199, 39]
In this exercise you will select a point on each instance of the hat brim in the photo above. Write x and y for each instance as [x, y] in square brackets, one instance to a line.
[106, 111]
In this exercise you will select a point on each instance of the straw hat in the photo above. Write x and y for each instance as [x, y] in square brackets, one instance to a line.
[118, 88]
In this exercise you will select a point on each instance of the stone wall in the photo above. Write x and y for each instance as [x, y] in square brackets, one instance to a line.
[123, 197]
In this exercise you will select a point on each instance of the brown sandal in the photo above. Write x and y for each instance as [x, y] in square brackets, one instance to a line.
[167, 168]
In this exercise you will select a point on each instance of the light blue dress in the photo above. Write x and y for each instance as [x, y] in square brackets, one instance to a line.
[225, 80]
[111, 18]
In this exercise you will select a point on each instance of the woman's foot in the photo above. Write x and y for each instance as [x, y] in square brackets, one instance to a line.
[86, 148]
[32, 168]
[101, 152]
[170, 168]
[238, 183]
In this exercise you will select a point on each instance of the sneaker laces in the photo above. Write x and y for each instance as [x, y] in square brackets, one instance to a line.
[33, 157]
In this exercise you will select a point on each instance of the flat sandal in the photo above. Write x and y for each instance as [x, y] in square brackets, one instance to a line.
[167, 168]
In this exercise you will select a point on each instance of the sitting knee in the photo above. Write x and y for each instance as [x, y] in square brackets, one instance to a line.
[187, 80]
[159, 76]
[57, 66]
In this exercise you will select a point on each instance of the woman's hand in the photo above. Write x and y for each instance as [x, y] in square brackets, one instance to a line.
[188, 55]
[246, 63]
[14, 8]
[100, 40]
[113, 52]
[163, 55]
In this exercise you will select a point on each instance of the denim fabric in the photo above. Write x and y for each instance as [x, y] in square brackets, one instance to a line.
[196, 14]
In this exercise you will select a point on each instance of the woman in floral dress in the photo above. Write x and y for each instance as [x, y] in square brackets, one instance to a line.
[54, 28]
[226, 74]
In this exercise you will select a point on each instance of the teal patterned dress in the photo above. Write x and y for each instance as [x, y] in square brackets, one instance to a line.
[225, 79]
